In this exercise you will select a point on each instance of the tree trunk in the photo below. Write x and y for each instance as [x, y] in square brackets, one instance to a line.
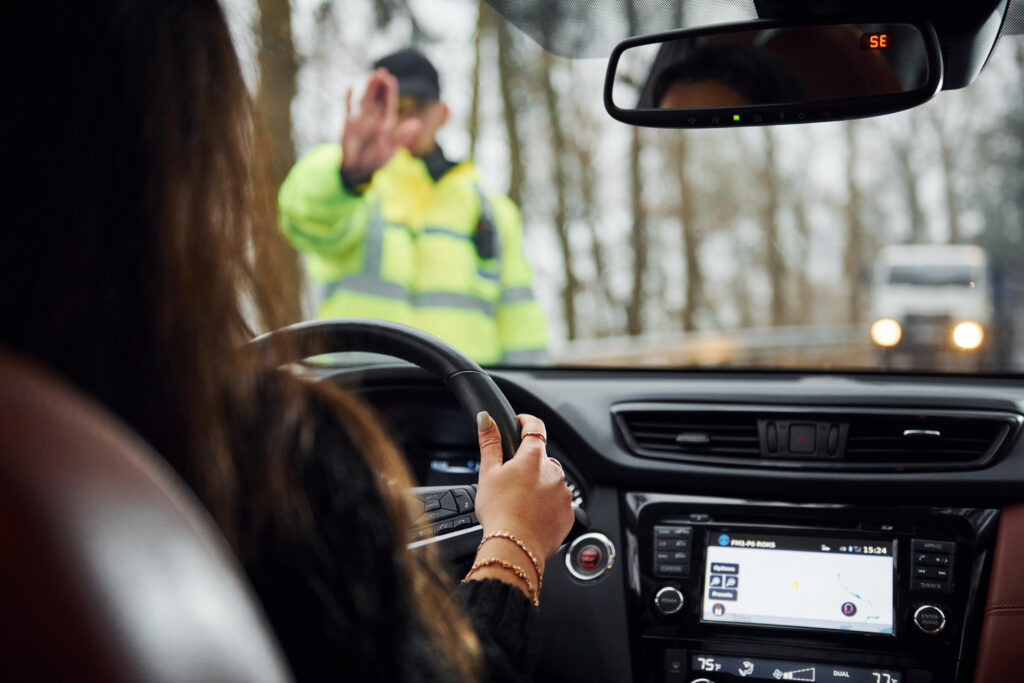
[507, 72]
[774, 261]
[687, 216]
[907, 174]
[853, 259]
[278, 72]
[570, 285]
[948, 157]
[474, 107]
[277, 86]
[638, 238]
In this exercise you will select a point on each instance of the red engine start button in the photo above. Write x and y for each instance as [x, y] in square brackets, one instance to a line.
[589, 557]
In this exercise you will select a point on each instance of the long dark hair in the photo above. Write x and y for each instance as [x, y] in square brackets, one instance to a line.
[141, 250]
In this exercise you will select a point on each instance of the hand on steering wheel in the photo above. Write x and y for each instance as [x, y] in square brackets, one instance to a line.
[527, 495]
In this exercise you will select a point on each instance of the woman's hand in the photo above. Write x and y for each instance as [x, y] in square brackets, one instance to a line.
[527, 495]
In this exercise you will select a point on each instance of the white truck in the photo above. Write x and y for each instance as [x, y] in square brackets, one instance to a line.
[932, 305]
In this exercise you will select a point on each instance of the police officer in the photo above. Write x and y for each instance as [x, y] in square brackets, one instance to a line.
[396, 231]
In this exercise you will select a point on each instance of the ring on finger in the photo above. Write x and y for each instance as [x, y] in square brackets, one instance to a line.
[539, 435]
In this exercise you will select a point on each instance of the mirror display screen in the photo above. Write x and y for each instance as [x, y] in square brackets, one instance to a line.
[824, 583]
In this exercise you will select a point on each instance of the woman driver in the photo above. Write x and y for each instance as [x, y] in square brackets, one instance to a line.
[141, 245]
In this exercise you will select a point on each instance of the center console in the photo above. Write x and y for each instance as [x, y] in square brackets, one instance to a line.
[728, 590]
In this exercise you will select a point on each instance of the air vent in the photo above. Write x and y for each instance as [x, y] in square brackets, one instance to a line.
[821, 438]
[691, 434]
[915, 440]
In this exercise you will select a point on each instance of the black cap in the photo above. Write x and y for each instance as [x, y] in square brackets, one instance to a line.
[416, 75]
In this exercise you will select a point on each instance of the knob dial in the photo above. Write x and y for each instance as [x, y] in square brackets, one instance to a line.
[669, 600]
[930, 619]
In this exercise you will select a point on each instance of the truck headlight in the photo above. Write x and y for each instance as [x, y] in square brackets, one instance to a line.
[968, 335]
[886, 332]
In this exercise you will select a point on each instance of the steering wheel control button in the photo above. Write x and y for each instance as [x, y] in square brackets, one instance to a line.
[448, 502]
[463, 501]
[669, 601]
[590, 556]
[464, 522]
[930, 619]
[672, 550]
[439, 514]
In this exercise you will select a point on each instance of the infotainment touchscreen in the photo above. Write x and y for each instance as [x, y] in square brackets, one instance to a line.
[827, 583]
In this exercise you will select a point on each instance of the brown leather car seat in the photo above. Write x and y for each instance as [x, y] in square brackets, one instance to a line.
[109, 567]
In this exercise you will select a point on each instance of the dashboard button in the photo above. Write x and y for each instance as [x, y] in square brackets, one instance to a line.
[802, 438]
[663, 557]
[590, 556]
[942, 547]
[933, 560]
[941, 573]
[669, 600]
[931, 586]
[673, 531]
[930, 619]
[670, 569]
[443, 527]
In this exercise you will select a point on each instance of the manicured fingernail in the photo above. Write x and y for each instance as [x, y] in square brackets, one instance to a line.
[483, 421]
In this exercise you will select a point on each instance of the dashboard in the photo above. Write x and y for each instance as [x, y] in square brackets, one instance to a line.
[750, 526]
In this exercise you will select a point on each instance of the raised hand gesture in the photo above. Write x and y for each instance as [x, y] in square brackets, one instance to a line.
[371, 137]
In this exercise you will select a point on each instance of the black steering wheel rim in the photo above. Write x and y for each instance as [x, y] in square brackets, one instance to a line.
[473, 388]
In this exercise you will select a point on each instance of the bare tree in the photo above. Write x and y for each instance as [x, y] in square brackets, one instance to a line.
[775, 263]
[474, 106]
[854, 256]
[508, 75]
[948, 137]
[906, 176]
[570, 285]
[279, 68]
[639, 238]
[686, 214]
[581, 138]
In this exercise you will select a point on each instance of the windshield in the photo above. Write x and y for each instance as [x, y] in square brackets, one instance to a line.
[514, 218]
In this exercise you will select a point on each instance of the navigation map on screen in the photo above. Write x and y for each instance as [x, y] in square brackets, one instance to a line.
[826, 583]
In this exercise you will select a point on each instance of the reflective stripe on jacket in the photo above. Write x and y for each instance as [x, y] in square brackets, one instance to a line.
[405, 251]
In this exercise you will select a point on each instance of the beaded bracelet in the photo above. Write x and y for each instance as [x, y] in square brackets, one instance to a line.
[515, 569]
[522, 546]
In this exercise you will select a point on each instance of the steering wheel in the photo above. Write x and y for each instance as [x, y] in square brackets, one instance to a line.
[473, 388]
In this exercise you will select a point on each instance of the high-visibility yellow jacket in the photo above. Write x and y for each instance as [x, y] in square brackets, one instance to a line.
[405, 250]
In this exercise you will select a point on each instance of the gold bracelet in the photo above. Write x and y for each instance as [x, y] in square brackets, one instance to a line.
[522, 546]
[515, 569]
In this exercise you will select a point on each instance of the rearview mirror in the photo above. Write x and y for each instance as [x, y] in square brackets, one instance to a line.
[767, 73]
